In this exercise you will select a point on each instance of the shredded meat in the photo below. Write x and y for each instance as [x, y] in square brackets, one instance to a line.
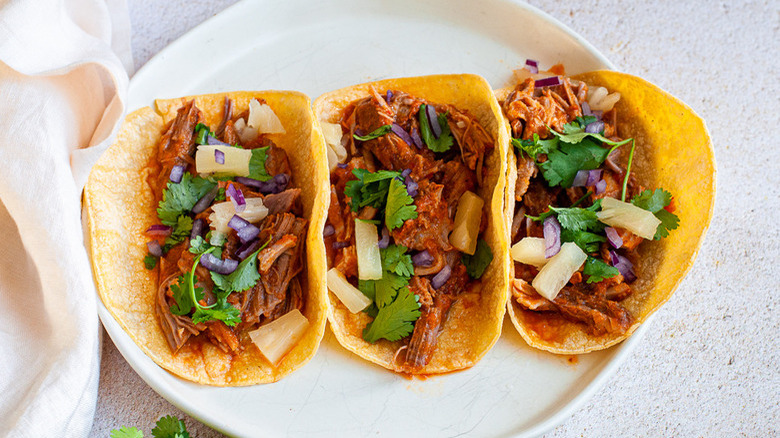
[526, 169]
[433, 223]
[177, 144]
[527, 296]
[600, 315]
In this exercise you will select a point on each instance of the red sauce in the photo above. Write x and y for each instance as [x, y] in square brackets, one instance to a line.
[549, 326]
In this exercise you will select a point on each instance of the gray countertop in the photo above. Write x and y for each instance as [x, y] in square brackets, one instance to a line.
[708, 366]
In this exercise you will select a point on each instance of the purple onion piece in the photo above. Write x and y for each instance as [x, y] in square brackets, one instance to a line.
[339, 245]
[406, 172]
[176, 173]
[532, 66]
[595, 127]
[593, 177]
[439, 279]
[399, 131]
[342, 165]
[601, 186]
[586, 109]
[154, 248]
[236, 197]
[613, 237]
[416, 139]
[219, 266]
[238, 223]
[359, 132]
[198, 226]
[328, 231]
[214, 141]
[552, 236]
[274, 185]
[548, 82]
[580, 179]
[159, 230]
[250, 182]
[623, 265]
[422, 259]
[247, 249]
[389, 96]
[205, 202]
[385, 240]
[248, 233]
[597, 114]
[219, 156]
[433, 121]
[411, 186]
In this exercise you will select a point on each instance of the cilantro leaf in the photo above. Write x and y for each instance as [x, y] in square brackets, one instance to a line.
[368, 287]
[221, 311]
[395, 320]
[400, 206]
[370, 188]
[199, 245]
[587, 241]
[395, 259]
[183, 297]
[257, 164]
[150, 261]
[564, 162]
[574, 132]
[179, 198]
[170, 427]
[576, 219]
[445, 140]
[388, 287]
[597, 270]
[126, 432]
[654, 202]
[535, 146]
[180, 231]
[244, 277]
[477, 263]
[378, 132]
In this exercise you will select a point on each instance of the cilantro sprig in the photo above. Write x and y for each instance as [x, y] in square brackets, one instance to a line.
[383, 190]
[445, 140]
[654, 202]
[166, 427]
[597, 270]
[400, 206]
[477, 263]
[376, 133]
[178, 199]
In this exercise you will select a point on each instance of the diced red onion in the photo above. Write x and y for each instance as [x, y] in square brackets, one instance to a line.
[411, 186]
[439, 279]
[359, 132]
[422, 259]
[339, 245]
[198, 226]
[389, 96]
[433, 121]
[593, 177]
[205, 202]
[238, 223]
[236, 197]
[274, 185]
[159, 230]
[548, 82]
[532, 66]
[416, 138]
[154, 248]
[623, 265]
[176, 173]
[586, 109]
[214, 141]
[406, 172]
[601, 186]
[597, 114]
[613, 237]
[385, 240]
[244, 229]
[217, 265]
[552, 236]
[247, 249]
[342, 165]
[580, 179]
[399, 131]
[219, 156]
[595, 127]
[328, 231]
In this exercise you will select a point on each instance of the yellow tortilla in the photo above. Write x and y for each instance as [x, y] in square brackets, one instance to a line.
[673, 151]
[473, 324]
[120, 206]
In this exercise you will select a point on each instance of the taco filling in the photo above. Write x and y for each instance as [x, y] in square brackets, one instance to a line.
[403, 234]
[230, 238]
[579, 213]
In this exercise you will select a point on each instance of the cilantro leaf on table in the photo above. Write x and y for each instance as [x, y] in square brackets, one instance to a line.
[400, 206]
[170, 427]
[126, 432]
[597, 270]
[654, 202]
[183, 296]
[376, 133]
[395, 320]
[257, 164]
[587, 241]
[445, 140]
[564, 162]
[395, 259]
[244, 277]
[535, 146]
[179, 198]
[150, 261]
[477, 263]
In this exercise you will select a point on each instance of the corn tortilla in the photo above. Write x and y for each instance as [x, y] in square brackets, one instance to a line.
[120, 205]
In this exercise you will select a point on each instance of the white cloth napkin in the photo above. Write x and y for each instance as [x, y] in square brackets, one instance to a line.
[64, 68]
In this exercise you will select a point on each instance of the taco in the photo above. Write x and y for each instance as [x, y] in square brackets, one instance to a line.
[611, 183]
[415, 234]
[204, 223]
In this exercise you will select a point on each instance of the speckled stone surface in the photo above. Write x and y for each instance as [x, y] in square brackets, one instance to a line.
[709, 364]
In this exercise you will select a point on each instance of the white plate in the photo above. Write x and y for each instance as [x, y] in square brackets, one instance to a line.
[320, 46]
